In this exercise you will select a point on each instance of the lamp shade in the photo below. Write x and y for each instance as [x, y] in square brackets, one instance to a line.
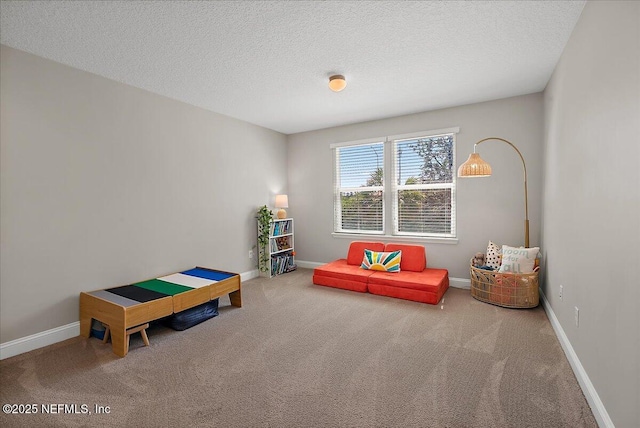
[337, 83]
[474, 167]
[282, 201]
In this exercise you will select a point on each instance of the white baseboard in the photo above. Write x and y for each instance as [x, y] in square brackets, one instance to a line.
[460, 283]
[39, 340]
[308, 265]
[246, 276]
[589, 391]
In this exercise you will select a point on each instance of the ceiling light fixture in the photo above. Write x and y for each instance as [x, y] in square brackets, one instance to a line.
[337, 83]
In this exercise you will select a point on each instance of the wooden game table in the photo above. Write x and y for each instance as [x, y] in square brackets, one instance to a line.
[122, 308]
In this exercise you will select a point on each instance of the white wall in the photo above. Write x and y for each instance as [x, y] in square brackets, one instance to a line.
[488, 208]
[103, 184]
[591, 201]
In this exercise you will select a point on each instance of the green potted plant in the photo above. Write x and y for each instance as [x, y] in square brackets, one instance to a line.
[264, 216]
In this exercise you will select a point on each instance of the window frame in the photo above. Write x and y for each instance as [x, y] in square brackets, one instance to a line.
[396, 188]
[337, 190]
[390, 190]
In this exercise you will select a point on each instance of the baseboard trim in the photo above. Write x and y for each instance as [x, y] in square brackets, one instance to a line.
[460, 283]
[308, 265]
[39, 340]
[589, 391]
[246, 276]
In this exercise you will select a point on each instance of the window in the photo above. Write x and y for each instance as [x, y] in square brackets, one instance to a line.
[423, 196]
[401, 185]
[359, 187]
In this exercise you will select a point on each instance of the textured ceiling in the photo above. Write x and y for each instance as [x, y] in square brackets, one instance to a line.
[268, 62]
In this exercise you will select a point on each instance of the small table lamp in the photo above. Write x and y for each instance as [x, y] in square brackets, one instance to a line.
[282, 201]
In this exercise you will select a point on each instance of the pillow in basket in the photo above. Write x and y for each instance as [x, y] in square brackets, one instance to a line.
[518, 260]
[386, 262]
[493, 255]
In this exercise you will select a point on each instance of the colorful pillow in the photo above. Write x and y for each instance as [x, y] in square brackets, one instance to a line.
[518, 260]
[386, 262]
[493, 255]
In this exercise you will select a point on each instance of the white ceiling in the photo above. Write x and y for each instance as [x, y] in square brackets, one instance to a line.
[268, 62]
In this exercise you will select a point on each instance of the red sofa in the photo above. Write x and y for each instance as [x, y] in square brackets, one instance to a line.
[415, 281]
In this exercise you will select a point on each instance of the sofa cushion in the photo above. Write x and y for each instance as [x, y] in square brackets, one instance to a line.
[431, 297]
[414, 257]
[414, 282]
[381, 261]
[345, 284]
[339, 274]
[428, 280]
[356, 251]
[340, 269]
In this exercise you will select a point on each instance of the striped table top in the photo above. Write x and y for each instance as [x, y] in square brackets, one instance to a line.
[169, 285]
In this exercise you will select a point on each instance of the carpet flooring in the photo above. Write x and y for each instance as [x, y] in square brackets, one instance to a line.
[301, 355]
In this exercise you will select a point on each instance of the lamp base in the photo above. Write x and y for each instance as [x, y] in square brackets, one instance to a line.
[282, 213]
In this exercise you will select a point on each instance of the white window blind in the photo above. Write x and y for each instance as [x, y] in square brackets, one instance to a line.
[359, 188]
[424, 186]
[401, 185]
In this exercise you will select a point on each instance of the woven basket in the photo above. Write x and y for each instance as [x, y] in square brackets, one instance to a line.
[511, 290]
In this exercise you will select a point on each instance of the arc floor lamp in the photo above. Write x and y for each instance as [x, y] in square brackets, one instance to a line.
[476, 167]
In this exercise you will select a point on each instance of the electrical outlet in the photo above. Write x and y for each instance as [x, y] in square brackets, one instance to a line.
[577, 316]
[561, 291]
[251, 254]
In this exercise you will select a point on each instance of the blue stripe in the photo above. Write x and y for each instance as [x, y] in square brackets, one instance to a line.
[208, 274]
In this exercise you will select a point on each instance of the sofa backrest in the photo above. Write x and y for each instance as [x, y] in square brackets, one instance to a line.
[356, 251]
[414, 257]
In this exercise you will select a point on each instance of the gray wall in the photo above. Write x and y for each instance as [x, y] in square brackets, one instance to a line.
[488, 208]
[103, 184]
[591, 200]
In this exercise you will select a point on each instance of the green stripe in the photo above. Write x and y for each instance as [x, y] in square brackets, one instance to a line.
[369, 255]
[163, 287]
[390, 257]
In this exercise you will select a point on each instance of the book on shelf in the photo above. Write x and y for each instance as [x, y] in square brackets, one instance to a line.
[280, 227]
[279, 244]
[282, 263]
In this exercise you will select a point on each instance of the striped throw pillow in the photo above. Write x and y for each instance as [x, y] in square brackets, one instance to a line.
[386, 262]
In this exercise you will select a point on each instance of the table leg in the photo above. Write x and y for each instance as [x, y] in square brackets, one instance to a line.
[236, 298]
[118, 340]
